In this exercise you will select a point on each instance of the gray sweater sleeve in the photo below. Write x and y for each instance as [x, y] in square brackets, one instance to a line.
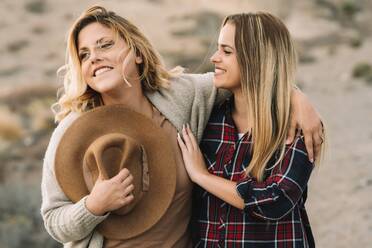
[64, 221]
[189, 99]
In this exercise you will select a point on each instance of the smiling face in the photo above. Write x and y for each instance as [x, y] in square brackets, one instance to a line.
[101, 54]
[226, 73]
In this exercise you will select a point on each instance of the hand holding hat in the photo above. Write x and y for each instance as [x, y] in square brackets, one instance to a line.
[111, 194]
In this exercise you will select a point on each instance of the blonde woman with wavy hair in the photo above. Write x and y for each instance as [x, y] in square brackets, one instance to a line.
[253, 185]
[78, 95]
[110, 61]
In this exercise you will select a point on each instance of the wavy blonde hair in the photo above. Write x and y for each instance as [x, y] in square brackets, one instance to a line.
[76, 95]
[267, 62]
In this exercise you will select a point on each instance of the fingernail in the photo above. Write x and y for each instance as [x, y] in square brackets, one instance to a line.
[312, 160]
[288, 141]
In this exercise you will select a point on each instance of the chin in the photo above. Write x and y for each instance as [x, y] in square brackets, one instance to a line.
[218, 83]
[106, 86]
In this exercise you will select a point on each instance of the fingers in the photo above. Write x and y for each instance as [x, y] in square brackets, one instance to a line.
[181, 143]
[291, 132]
[186, 139]
[189, 138]
[309, 145]
[192, 137]
[122, 175]
[127, 199]
[125, 191]
[318, 141]
[127, 181]
[314, 139]
[128, 190]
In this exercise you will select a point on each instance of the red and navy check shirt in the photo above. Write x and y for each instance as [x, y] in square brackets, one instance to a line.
[274, 213]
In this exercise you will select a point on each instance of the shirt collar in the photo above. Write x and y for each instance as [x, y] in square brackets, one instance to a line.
[226, 108]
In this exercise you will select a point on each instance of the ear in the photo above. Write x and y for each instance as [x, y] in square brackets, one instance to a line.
[139, 60]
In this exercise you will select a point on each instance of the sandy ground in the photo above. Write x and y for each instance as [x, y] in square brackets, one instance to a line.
[340, 202]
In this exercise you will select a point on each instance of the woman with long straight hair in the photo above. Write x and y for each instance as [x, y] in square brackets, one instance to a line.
[252, 184]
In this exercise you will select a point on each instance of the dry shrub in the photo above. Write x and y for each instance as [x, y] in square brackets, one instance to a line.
[363, 70]
[22, 95]
[17, 45]
[10, 126]
[356, 42]
[350, 8]
[11, 71]
[36, 6]
[39, 29]
[41, 115]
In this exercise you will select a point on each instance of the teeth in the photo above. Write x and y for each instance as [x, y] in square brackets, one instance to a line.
[218, 71]
[102, 70]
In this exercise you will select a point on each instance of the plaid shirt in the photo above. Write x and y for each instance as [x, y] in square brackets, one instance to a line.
[274, 213]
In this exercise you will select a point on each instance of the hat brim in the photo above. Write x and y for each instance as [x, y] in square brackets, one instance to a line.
[161, 163]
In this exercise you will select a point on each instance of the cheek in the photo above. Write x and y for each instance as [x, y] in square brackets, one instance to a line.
[234, 69]
[235, 74]
[85, 73]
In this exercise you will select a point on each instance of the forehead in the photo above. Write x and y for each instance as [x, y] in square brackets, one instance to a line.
[93, 32]
[227, 35]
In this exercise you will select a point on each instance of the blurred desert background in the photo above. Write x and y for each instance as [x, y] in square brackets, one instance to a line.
[334, 41]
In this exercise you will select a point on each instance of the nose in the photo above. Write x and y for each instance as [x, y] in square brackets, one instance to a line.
[215, 58]
[95, 57]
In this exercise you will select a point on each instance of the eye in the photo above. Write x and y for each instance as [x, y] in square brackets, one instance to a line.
[83, 56]
[227, 52]
[106, 45]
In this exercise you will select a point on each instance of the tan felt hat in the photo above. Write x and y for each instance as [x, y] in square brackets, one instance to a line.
[105, 140]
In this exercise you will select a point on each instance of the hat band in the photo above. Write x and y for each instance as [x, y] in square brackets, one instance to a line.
[145, 171]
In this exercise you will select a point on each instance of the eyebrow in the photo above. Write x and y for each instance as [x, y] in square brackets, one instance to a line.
[97, 42]
[225, 45]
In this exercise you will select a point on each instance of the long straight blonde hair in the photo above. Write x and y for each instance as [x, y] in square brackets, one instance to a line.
[267, 63]
[77, 95]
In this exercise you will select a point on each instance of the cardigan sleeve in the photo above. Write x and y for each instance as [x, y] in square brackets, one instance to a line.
[189, 99]
[280, 192]
[64, 221]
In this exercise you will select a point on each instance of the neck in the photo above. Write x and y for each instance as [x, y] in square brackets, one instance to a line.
[240, 104]
[240, 112]
[131, 97]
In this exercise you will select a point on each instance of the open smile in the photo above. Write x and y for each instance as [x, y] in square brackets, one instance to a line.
[100, 70]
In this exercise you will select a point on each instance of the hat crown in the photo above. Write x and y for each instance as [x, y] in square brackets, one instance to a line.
[108, 155]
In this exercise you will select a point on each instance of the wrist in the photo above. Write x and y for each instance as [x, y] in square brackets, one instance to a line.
[93, 207]
[200, 177]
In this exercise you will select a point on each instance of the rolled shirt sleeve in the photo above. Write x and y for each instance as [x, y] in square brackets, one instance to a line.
[278, 194]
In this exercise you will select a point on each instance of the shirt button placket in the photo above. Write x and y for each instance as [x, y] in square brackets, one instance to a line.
[222, 227]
